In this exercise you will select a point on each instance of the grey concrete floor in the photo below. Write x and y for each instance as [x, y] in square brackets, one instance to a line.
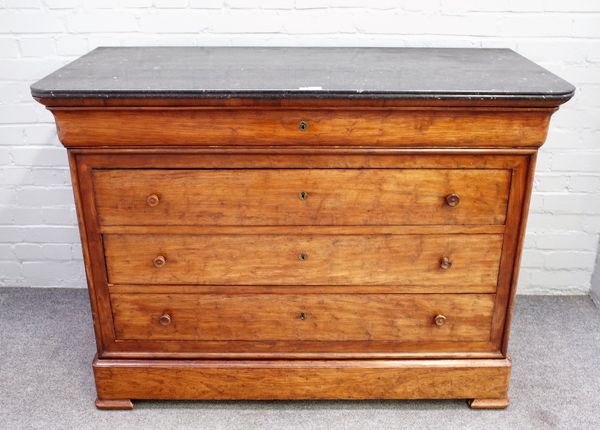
[46, 348]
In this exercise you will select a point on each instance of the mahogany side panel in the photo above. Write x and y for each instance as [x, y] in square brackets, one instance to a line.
[92, 248]
[519, 232]
[87, 257]
[511, 248]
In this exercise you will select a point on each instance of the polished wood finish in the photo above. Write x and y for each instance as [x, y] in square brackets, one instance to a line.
[305, 229]
[293, 380]
[114, 404]
[92, 159]
[462, 258]
[300, 157]
[457, 127]
[302, 197]
[499, 403]
[250, 259]
[305, 317]
[302, 248]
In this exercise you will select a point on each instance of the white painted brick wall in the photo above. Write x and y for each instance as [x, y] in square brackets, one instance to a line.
[39, 243]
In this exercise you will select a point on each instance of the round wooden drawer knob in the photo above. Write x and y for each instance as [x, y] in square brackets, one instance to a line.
[159, 261]
[445, 263]
[452, 200]
[152, 200]
[165, 319]
[439, 320]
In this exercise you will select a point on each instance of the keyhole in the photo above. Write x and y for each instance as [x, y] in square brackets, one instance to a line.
[302, 257]
[302, 316]
[302, 195]
[302, 126]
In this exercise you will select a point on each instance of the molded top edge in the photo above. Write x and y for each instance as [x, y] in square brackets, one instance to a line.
[307, 73]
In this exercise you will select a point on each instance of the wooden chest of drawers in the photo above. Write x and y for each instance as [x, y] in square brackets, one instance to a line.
[271, 223]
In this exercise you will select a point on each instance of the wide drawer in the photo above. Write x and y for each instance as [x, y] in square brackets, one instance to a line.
[304, 259]
[301, 196]
[303, 317]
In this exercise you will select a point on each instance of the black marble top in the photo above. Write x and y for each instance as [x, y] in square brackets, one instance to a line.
[224, 72]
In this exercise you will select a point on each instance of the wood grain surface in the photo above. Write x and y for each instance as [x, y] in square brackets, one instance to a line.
[248, 259]
[449, 127]
[273, 197]
[293, 380]
[306, 317]
[302, 249]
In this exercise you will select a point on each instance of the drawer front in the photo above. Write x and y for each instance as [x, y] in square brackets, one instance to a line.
[339, 126]
[256, 259]
[303, 317]
[301, 196]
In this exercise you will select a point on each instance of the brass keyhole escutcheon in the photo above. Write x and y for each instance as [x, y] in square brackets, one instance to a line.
[165, 319]
[152, 200]
[302, 316]
[159, 261]
[302, 195]
[452, 200]
[303, 126]
[439, 320]
[302, 256]
[445, 263]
